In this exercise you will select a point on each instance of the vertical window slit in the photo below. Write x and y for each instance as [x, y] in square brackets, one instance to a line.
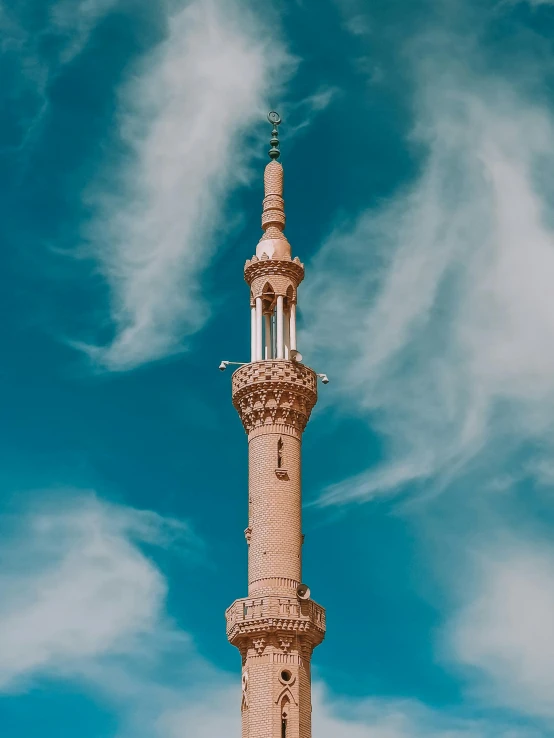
[280, 453]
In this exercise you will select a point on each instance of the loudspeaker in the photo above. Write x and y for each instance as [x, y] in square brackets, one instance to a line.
[303, 592]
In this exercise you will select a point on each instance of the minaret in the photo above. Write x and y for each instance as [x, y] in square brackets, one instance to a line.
[277, 626]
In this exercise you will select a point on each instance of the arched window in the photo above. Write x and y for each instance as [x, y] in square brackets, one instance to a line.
[268, 299]
[289, 298]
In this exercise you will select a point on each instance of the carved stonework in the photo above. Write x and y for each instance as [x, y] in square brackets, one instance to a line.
[274, 392]
[285, 642]
[257, 620]
[279, 273]
[259, 645]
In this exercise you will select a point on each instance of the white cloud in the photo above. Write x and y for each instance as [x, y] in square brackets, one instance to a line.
[378, 717]
[357, 25]
[184, 120]
[76, 587]
[505, 633]
[435, 313]
[331, 717]
[213, 713]
[82, 601]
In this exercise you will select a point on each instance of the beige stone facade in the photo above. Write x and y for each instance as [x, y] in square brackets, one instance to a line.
[277, 626]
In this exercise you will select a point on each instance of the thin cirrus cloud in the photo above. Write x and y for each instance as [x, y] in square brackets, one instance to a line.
[74, 21]
[42, 47]
[450, 314]
[503, 635]
[184, 120]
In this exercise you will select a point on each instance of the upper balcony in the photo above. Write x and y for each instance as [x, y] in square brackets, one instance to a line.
[271, 614]
[273, 392]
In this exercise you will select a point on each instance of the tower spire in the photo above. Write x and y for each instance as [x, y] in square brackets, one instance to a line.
[273, 244]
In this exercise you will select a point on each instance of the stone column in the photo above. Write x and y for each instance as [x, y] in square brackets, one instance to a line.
[259, 321]
[280, 328]
[253, 351]
[287, 334]
[268, 343]
[293, 327]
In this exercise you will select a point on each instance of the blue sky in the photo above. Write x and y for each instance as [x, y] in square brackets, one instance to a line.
[418, 149]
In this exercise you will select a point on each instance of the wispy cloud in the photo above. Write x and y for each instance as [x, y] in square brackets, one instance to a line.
[347, 718]
[536, 3]
[380, 717]
[76, 587]
[184, 119]
[503, 635]
[42, 51]
[74, 21]
[437, 305]
[82, 601]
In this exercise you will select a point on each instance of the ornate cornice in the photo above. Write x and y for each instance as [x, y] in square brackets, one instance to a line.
[269, 393]
[256, 270]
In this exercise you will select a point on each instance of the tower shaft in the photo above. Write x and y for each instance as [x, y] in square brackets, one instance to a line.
[274, 554]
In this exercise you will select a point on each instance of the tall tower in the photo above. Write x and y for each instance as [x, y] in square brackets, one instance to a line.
[277, 626]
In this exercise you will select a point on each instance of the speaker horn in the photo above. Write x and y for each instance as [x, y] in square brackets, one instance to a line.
[303, 592]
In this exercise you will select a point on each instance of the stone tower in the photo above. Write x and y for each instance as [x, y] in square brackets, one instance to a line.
[277, 626]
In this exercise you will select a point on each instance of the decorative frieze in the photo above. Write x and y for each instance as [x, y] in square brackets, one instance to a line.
[274, 393]
[280, 273]
[285, 643]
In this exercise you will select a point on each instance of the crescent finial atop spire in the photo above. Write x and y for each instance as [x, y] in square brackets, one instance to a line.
[275, 119]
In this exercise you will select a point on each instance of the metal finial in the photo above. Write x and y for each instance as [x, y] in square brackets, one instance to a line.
[275, 119]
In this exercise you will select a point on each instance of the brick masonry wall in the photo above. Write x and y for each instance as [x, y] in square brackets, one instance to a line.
[275, 518]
